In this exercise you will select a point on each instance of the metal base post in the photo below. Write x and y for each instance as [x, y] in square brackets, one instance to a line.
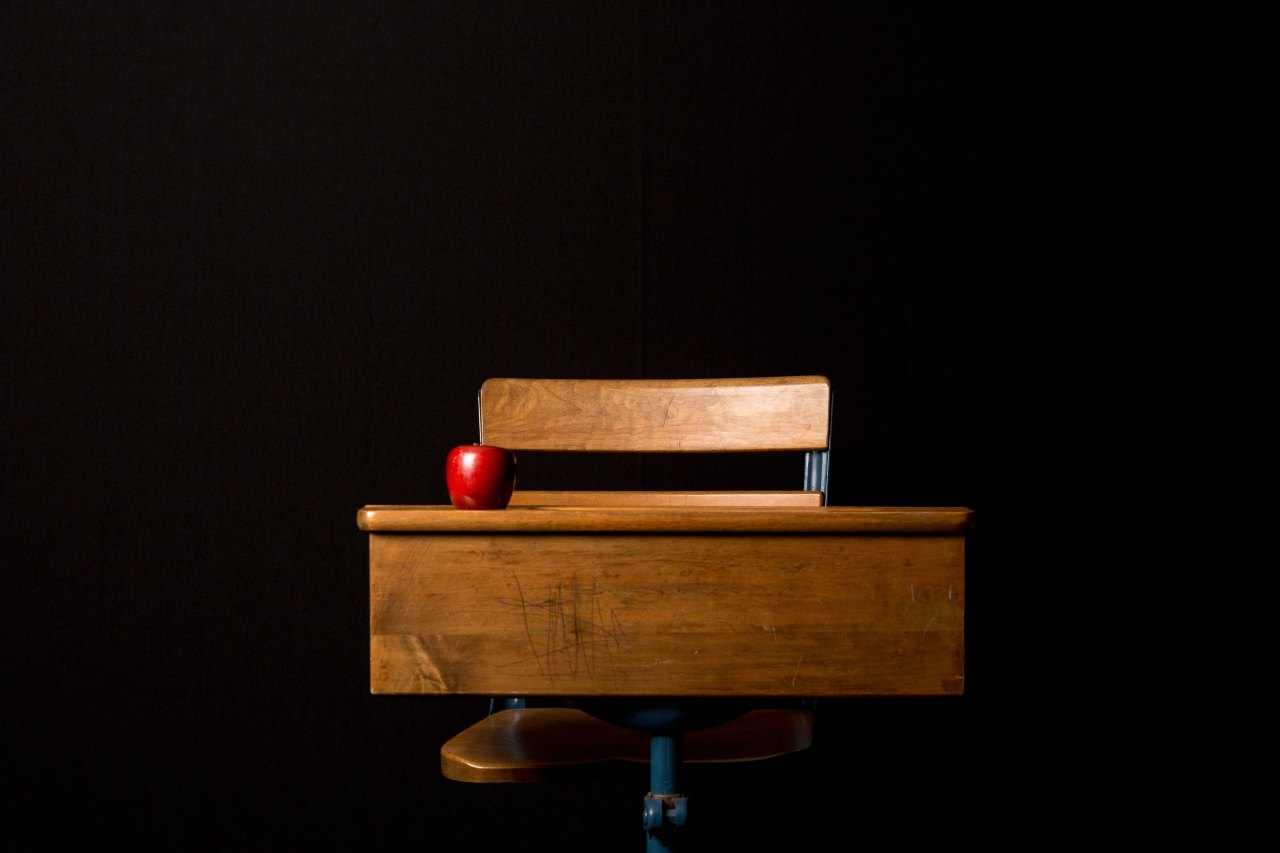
[665, 809]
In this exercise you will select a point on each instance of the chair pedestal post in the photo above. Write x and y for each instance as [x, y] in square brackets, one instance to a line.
[665, 809]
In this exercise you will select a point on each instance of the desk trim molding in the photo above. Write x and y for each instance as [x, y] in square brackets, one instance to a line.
[574, 519]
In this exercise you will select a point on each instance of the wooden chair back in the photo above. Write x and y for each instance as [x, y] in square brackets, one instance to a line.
[740, 415]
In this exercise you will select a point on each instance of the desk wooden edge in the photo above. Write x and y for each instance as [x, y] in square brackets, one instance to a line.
[377, 518]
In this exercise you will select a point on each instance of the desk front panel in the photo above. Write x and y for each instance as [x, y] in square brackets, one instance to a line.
[603, 614]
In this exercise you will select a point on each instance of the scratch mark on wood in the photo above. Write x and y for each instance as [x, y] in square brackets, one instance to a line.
[579, 634]
[796, 674]
[927, 625]
[913, 593]
[524, 611]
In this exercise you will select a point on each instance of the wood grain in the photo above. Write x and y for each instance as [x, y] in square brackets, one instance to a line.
[657, 416]
[662, 614]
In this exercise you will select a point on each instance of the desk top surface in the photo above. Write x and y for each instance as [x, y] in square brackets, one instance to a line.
[666, 519]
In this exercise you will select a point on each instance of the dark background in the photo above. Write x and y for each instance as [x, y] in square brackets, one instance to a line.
[258, 257]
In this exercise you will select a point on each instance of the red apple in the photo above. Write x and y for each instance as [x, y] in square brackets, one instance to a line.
[480, 476]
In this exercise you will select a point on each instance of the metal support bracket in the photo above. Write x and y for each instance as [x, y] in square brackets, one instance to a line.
[665, 811]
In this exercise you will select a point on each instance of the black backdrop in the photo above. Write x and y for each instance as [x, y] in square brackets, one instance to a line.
[258, 257]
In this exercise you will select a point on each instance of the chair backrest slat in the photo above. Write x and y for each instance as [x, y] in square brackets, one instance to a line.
[657, 415]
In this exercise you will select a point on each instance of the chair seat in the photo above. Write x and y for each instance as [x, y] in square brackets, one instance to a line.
[546, 744]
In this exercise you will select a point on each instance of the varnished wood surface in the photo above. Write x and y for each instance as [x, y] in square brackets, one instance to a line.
[526, 498]
[656, 416]
[666, 614]
[543, 744]
[645, 519]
